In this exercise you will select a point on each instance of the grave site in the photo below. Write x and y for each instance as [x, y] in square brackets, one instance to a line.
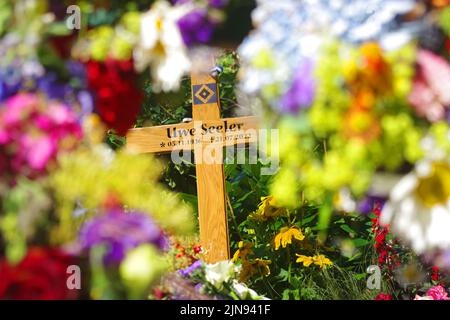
[225, 150]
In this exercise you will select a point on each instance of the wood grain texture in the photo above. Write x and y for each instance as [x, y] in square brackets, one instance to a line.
[241, 130]
[210, 185]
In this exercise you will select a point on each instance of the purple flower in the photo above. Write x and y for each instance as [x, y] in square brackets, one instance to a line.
[196, 27]
[121, 232]
[73, 92]
[10, 83]
[198, 287]
[189, 270]
[175, 2]
[366, 205]
[54, 89]
[218, 3]
[301, 93]
[212, 3]
[77, 70]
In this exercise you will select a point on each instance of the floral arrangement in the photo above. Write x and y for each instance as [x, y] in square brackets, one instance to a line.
[361, 98]
[359, 91]
[202, 281]
[65, 205]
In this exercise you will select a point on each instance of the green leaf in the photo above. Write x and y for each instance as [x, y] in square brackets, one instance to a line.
[283, 275]
[325, 213]
[189, 198]
[359, 276]
[307, 220]
[354, 257]
[360, 242]
[285, 294]
[347, 229]
[245, 196]
[341, 220]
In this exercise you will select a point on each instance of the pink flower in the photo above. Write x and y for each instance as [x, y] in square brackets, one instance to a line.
[437, 293]
[19, 107]
[32, 133]
[434, 293]
[430, 95]
[40, 152]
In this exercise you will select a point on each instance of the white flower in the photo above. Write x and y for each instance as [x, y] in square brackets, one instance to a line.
[344, 201]
[161, 46]
[221, 272]
[417, 297]
[419, 206]
[245, 292]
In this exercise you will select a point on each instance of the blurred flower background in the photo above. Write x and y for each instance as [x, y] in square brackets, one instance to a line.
[359, 91]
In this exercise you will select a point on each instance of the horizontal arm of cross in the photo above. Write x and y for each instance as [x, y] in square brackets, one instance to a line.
[165, 138]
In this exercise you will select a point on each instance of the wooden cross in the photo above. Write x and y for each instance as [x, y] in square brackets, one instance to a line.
[206, 131]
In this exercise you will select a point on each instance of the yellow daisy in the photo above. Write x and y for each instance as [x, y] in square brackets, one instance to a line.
[307, 261]
[249, 269]
[263, 266]
[244, 249]
[322, 261]
[284, 237]
[267, 209]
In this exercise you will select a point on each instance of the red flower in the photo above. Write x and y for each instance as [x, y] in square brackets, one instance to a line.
[383, 296]
[159, 294]
[118, 100]
[384, 249]
[41, 275]
[435, 273]
[197, 249]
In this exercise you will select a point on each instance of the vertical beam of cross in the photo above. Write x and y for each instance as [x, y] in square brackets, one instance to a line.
[210, 176]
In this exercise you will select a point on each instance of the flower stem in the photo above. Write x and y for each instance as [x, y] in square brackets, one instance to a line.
[233, 217]
[290, 264]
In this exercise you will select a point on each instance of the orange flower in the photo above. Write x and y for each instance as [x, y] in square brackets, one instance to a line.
[371, 72]
[361, 124]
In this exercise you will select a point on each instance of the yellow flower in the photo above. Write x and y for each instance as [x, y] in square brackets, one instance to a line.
[244, 249]
[307, 261]
[361, 124]
[434, 189]
[249, 269]
[267, 209]
[322, 261]
[284, 237]
[94, 172]
[263, 266]
[319, 260]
